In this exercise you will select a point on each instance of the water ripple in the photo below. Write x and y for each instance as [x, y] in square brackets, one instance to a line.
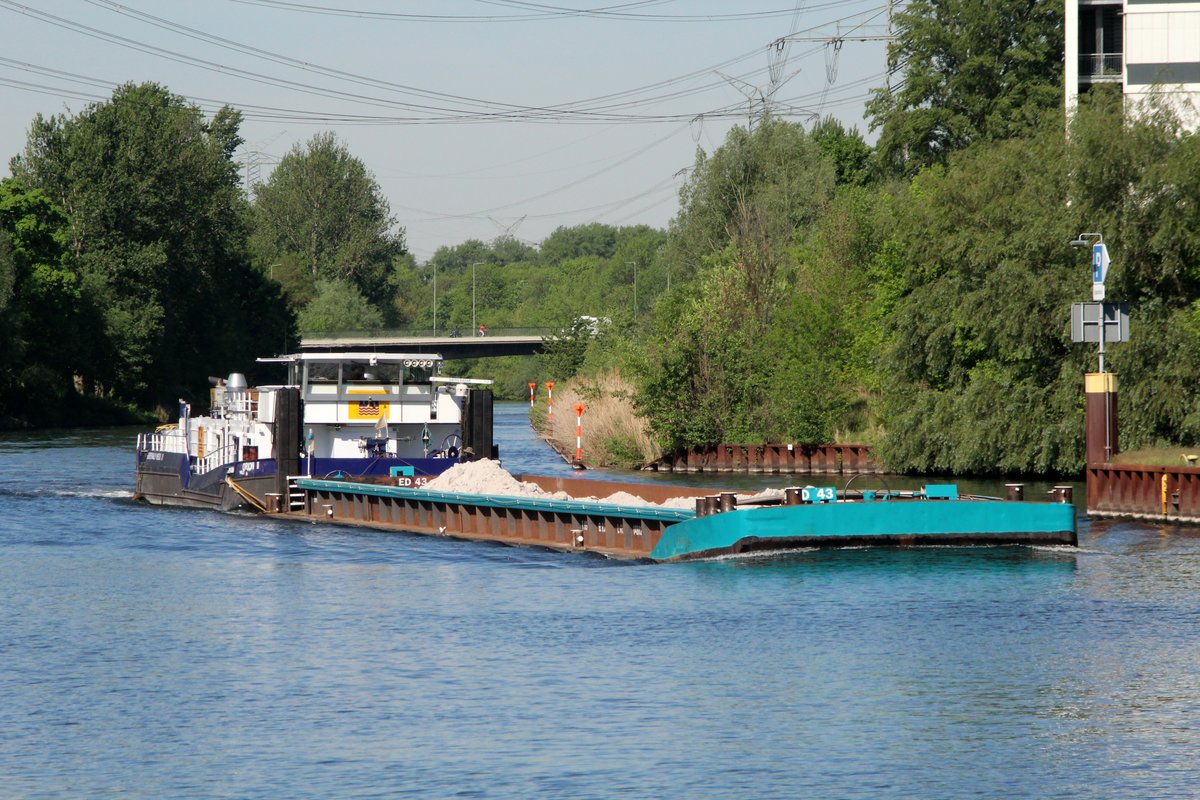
[152, 652]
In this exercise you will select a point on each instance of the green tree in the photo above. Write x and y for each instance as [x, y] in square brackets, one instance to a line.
[758, 188]
[979, 375]
[712, 373]
[1133, 180]
[449, 260]
[47, 330]
[592, 239]
[565, 352]
[339, 306]
[972, 70]
[324, 209]
[8, 274]
[156, 234]
[46, 295]
[851, 156]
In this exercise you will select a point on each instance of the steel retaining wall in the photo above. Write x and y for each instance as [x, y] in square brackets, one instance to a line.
[781, 458]
[1168, 494]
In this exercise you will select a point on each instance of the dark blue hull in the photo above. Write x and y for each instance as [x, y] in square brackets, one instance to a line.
[167, 478]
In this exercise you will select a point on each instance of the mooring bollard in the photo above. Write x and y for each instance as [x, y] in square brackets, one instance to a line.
[791, 496]
[1015, 491]
[1062, 494]
[713, 504]
[701, 506]
[728, 501]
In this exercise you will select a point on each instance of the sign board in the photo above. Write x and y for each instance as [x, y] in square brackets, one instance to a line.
[1099, 262]
[1086, 321]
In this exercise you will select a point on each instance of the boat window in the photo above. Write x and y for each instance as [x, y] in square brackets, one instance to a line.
[373, 373]
[359, 372]
[418, 374]
[387, 374]
[321, 372]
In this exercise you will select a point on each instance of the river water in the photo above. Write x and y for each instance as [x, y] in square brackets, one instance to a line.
[156, 653]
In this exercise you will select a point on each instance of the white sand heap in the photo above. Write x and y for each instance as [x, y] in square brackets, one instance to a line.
[482, 477]
[488, 477]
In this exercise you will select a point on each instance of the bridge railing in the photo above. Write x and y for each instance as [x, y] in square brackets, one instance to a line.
[430, 333]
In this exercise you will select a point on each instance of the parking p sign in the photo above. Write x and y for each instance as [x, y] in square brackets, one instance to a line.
[1099, 262]
[1099, 270]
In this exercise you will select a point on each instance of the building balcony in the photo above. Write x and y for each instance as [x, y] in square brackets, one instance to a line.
[1101, 67]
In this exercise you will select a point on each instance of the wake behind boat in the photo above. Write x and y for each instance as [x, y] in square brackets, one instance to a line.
[338, 415]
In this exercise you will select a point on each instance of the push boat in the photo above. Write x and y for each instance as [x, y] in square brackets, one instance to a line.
[338, 415]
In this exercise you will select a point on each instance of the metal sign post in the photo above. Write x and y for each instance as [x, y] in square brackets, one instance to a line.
[1099, 322]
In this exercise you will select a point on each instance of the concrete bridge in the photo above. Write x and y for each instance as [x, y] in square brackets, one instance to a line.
[496, 342]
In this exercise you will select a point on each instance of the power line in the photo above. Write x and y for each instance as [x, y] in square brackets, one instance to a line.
[536, 12]
[585, 106]
[464, 110]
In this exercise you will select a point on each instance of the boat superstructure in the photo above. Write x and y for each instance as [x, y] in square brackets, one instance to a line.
[335, 415]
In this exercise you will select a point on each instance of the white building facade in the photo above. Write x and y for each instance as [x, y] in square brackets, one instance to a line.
[1144, 46]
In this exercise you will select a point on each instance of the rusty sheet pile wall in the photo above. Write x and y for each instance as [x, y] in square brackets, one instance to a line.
[782, 458]
[1170, 494]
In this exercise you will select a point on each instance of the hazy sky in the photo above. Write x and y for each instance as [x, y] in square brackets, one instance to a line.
[477, 117]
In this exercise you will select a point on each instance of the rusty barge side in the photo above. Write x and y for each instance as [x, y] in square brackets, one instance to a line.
[716, 526]
[613, 530]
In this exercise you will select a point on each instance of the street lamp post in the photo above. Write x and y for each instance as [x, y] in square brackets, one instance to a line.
[1086, 240]
[1095, 240]
[634, 264]
[474, 327]
[435, 298]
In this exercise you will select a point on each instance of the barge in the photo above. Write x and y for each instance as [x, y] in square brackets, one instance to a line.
[338, 414]
[640, 526]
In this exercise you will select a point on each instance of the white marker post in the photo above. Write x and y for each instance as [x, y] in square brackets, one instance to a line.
[579, 432]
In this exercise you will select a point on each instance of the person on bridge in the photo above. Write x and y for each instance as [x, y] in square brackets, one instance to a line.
[483, 330]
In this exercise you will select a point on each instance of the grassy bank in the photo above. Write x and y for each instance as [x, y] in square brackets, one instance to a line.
[1164, 456]
[613, 435]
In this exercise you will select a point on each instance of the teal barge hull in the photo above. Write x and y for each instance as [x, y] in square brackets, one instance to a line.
[671, 534]
[848, 524]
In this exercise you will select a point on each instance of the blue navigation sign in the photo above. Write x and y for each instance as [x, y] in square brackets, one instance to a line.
[1099, 262]
[1099, 269]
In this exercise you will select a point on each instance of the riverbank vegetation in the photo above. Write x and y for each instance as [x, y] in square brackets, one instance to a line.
[914, 295]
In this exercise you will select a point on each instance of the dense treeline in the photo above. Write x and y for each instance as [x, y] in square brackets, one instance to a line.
[915, 295]
[133, 265]
[127, 234]
[931, 314]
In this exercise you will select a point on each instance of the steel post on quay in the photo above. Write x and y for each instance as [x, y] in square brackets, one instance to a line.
[1100, 390]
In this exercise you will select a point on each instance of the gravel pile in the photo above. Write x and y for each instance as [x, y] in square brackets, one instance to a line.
[488, 477]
